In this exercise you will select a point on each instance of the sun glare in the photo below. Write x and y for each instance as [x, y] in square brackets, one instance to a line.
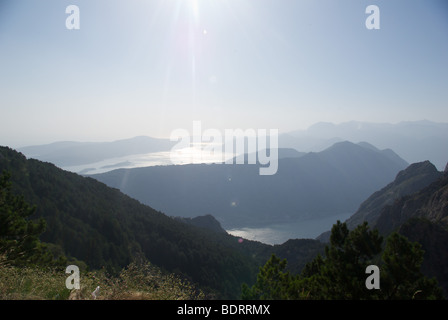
[195, 8]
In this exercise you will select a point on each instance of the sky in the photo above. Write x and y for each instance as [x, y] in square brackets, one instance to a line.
[148, 67]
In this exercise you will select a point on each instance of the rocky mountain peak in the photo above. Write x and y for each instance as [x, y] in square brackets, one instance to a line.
[419, 168]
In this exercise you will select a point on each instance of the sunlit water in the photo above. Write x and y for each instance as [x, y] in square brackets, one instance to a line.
[193, 154]
[279, 233]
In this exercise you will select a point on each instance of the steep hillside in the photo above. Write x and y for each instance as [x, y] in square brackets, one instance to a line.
[408, 181]
[104, 228]
[430, 203]
[415, 205]
[423, 217]
[330, 182]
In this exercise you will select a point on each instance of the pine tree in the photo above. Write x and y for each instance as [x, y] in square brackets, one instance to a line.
[272, 282]
[341, 273]
[19, 236]
[401, 277]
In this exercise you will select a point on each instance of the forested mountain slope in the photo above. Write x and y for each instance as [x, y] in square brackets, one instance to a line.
[102, 227]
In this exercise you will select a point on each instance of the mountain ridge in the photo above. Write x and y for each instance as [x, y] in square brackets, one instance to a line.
[414, 141]
[238, 196]
[423, 217]
[408, 181]
[431, 202]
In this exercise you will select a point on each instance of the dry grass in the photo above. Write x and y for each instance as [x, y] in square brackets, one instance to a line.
[31, 283]
[139, 281]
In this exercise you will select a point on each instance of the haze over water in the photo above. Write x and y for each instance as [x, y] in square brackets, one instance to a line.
[190, 155]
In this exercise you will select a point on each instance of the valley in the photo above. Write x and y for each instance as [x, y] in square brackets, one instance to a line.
[179, 217]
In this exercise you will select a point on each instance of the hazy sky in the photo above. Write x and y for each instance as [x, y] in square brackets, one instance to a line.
[147, 67]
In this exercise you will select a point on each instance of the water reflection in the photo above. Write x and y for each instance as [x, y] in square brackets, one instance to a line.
[279, 233]
[194, 154]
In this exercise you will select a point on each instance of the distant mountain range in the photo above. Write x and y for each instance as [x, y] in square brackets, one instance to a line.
[414, 141]
[333, 181]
